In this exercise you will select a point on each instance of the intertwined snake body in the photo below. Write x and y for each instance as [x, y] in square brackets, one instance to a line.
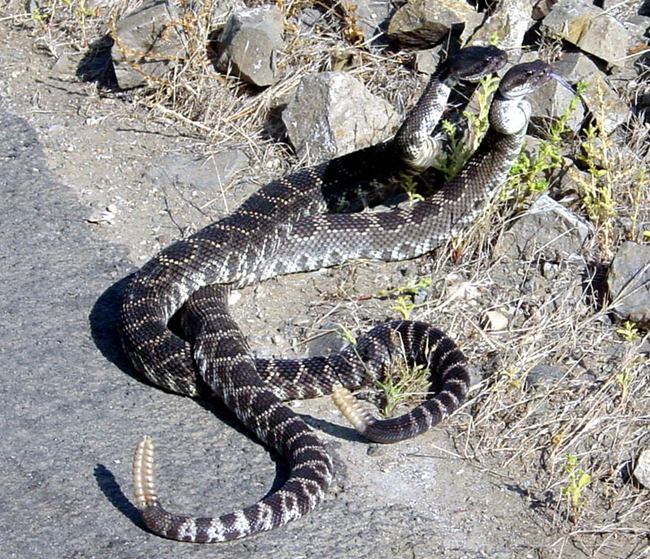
[282, 229]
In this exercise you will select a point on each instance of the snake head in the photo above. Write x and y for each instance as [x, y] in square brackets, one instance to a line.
[472, 63]
[523, 79]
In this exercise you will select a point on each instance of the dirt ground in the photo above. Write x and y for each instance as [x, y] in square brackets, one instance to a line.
[444, 494]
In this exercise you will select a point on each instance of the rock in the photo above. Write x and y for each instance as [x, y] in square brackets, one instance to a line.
[203, 173]
[495, 321]
[586, 26]
[541, 9]
[146, 43]
[328, 341]
[637, 27]
[547, 228]
[263, 347]
[249, 44]
[333, 114]
[65, 67]
[104, 215]
[628, 281]
[427, 60]
[99, 5]
[639, 23]
[642, 468]
[574, 66]
[421, 295]
[602, 101]
[509, 23]
[422, 22]
[542, 376]
[371, 16]
[307, 21]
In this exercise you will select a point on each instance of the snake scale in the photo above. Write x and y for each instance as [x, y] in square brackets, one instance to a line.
[285, 228]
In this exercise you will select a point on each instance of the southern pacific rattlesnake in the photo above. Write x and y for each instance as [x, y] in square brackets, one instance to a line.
[270, 234]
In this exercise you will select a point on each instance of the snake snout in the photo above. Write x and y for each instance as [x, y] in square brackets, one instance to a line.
[472, 63]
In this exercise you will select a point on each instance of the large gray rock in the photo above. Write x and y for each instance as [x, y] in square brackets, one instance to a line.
[629, 283]
[552, 101]
[509, 22]
[427, 60]
[333, 114]
[327, 340]
[146, 43]
[590, 28]
[422, 22]
[547, 229]
[574, 66]
[604, 103]
[249, 45]
[370, 16]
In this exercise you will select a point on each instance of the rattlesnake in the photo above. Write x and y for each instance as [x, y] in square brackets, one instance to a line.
[271, 234]
[236, 250]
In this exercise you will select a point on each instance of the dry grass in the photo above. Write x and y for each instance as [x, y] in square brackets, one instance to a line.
[598, 407]
[227, 111]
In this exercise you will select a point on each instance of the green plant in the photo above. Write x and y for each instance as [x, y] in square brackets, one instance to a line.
[402, 384]
[630, 334]
[410, 186]
[623, 379]
[597, 188]
[404, 295]
[347, 335]
[479, 122]
[607, 170]
[404, 305]
[40, 16]
[459, 150]
[529, 174]
[577, 480]
[512, 374]
[637, 197]
[451, 161]
[628, 331]
[413, 286]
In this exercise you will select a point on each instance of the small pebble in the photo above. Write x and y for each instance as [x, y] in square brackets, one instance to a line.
[234, 297]
[495, 321]
[642, 468]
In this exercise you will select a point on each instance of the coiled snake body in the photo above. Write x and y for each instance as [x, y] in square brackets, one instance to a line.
[282, 229]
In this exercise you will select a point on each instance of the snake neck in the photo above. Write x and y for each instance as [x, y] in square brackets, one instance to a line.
[509, 116]
[413, 143]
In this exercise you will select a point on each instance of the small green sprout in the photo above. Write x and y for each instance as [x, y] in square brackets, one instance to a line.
[578, 479]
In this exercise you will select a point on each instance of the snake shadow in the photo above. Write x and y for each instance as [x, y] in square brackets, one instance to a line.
[113, 492]
[111, 489]
[104, 321]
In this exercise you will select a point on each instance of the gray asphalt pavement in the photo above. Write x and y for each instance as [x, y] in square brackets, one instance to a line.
[71, 411]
